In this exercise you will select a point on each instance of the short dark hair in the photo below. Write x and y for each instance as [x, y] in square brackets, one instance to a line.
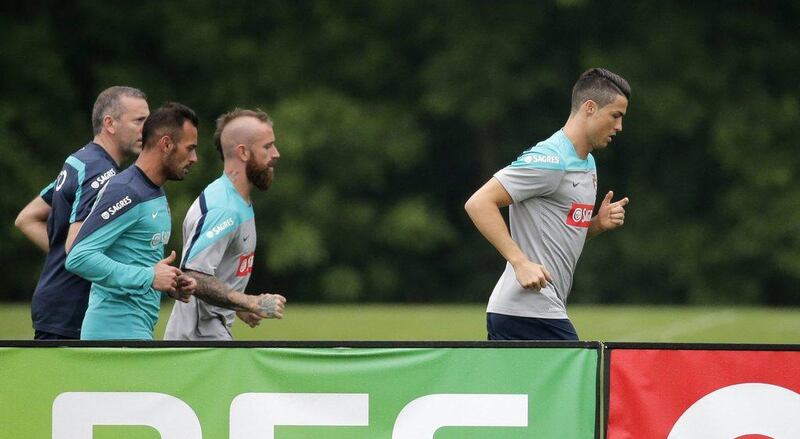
[167, 119]
[107, 103]
[236, 113]
[599, 85]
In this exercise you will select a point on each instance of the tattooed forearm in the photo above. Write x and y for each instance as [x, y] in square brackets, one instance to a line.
[214, 292]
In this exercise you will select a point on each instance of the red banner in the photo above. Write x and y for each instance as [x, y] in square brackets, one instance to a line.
[703, 394]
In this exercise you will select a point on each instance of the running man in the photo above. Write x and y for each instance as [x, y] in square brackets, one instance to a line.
[52, 219]
[121, 244]
[551, 190]
[219, 234]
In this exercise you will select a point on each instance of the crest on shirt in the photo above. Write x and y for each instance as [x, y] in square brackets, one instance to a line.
[62, 177]
[245, 265]
[160, 238]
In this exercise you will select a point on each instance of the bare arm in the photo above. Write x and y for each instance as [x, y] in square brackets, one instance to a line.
[72, 233]
[32, 222]
[213, 291]
[483, 208]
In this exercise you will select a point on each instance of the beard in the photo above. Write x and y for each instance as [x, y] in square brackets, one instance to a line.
[173, 169]
[261, 177]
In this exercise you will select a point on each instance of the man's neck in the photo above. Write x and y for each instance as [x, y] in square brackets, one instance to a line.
[576, 133]
[111, 147]
[238, 176]
[150, 164]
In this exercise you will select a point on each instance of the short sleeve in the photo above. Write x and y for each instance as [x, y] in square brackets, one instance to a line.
[47, 193]
[535, 173]
[213, 233]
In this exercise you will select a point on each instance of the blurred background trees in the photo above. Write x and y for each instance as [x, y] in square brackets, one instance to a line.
[390, 113]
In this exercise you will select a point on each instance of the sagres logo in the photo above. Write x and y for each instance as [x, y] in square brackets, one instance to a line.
[580, 215]
[219, 228]
[552, 159]
[111, 211]
[99, 181]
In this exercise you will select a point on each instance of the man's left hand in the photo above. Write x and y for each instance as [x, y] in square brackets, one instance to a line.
[611, 215]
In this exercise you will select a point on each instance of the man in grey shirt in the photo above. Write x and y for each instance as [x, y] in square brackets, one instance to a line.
[219, 234]
[551, 190]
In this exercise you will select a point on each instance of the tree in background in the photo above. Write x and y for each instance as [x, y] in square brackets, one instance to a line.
[390, 113]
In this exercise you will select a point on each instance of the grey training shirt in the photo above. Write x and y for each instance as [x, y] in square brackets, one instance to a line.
[553, 193]
[219, 239]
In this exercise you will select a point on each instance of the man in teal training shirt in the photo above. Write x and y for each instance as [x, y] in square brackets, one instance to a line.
[120, 247]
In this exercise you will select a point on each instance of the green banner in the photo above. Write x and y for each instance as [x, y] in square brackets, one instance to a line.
[285, 393]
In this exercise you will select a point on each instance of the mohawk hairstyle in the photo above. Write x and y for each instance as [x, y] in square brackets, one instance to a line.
[236, 113]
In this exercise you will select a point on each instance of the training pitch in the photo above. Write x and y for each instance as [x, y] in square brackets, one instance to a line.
[466, 322]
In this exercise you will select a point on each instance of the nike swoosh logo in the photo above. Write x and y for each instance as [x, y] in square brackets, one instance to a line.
[574, 184]
[155, 214]
[245, 238]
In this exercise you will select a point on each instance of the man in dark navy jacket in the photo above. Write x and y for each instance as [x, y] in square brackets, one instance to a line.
[53, 218]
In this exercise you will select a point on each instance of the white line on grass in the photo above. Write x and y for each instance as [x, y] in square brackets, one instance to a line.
[681, 328]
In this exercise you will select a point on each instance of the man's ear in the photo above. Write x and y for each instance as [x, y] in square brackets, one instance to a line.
[165, 143]
[108, 124]
[590, 107]
[243, 152]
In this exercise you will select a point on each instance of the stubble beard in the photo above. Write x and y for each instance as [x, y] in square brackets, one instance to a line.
[173, 169]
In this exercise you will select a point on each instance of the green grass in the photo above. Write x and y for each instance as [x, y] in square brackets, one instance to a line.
[466, 322]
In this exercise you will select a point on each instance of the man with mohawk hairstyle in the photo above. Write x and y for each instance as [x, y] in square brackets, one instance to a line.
[219, 234]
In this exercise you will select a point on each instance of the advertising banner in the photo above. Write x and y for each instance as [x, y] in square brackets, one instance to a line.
[296, 392]
[703, 394]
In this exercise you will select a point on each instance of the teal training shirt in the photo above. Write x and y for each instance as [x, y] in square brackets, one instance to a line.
[118, 245]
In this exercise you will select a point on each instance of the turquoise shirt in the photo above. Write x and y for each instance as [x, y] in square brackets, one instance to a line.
[118, 245]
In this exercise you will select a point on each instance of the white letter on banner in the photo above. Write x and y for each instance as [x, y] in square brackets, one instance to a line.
[420, 418]
[255, 415]
[741, 409]
[76, 413]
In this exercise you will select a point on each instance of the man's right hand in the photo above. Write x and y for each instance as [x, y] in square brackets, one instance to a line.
[532, 276]
[268, 306]
[166, 276]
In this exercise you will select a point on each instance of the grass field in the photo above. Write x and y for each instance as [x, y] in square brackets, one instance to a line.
[466, 322]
